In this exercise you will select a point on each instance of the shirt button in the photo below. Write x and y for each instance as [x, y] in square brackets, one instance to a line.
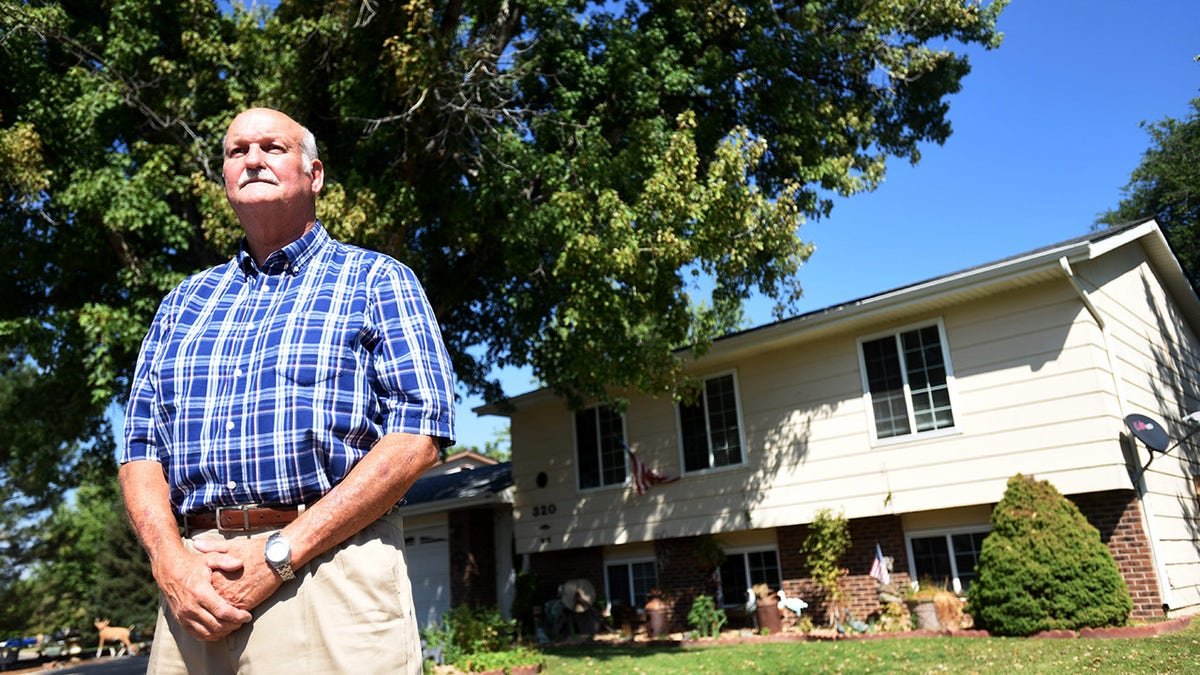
[229, 426]
[237, 372]
[231, 484]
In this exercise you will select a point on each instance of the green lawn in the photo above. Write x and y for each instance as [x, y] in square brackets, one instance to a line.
[1174, 653]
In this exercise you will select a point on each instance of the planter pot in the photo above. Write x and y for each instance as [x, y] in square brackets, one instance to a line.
[769, 617]
[656, 622]
[925, 613]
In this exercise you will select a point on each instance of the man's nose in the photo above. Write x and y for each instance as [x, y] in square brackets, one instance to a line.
[254, 156]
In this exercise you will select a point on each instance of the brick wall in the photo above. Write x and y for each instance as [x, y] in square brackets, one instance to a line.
[681, 577]
[861, 590]
[472, 557]
[1117, 514]
[555, 567]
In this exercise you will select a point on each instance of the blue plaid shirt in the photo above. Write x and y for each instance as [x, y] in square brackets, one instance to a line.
[266, 386]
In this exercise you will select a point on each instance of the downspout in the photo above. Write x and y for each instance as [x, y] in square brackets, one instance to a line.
[1164, 588]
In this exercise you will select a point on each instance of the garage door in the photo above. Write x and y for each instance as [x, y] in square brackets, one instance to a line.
[427, 550]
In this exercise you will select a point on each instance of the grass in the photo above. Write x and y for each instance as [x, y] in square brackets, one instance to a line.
[1173, 653]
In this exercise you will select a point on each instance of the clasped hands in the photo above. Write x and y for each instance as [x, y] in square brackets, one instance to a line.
[212, 590]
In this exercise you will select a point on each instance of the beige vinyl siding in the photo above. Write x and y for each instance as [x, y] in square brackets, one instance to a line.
[1031, 393]
[1160, 370]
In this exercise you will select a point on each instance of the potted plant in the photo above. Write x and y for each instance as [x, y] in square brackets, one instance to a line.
[656, 613]
[933, 606]
[766, 609]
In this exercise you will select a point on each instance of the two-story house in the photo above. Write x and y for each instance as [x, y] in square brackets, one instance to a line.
[906, 411]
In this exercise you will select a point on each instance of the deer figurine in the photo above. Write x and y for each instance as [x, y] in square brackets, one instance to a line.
[113, 634]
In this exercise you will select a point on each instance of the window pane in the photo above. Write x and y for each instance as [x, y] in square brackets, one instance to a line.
[612, 446]
[764, 568]
[733, 580]
[645, 577]
[886, 384]
[931, 557]
[966, 555]
[927, 379]
[619, 592]
[695, 436]
[723, 422]
[586, 449]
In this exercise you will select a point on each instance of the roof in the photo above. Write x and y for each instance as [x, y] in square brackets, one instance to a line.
[472, 487]
[1006, 274]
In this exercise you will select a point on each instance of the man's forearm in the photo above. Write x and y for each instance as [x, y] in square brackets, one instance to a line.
[373, 487]
[147, 501]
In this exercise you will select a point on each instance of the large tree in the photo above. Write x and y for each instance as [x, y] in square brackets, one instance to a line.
[584, 187]
[1166, 186]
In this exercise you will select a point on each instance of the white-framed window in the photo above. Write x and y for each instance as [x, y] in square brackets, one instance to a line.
[710, 428]
[627, 583]
[907, 379]
[742, 569]
[600, 447]
[946, 557]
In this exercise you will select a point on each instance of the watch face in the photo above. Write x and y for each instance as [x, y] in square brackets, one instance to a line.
[277, 551]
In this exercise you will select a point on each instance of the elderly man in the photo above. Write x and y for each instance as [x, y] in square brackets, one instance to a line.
[282, 405]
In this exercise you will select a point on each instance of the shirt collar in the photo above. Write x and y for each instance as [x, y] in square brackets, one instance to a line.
[291, 258]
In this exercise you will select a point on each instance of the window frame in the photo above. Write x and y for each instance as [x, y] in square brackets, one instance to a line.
[948, 533]
[951, 385]
[628, 563]
[745, 551]
[599, 449]
[741, 427]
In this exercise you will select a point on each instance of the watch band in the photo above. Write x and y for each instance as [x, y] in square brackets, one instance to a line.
[282, 567]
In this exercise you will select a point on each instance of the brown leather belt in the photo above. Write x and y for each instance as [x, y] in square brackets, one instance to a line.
[241, 518]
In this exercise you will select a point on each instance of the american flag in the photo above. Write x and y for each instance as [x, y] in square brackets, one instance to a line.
[879, 567]
[643, 476]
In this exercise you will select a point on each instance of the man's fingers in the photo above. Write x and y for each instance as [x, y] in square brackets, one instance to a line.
[211, 545]
[223, 562]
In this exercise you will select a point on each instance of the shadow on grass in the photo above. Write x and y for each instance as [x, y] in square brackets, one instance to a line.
[607, 651]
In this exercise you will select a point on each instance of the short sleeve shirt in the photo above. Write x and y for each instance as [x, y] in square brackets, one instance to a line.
[267, 385]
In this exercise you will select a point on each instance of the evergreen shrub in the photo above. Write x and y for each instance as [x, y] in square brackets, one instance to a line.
[1043, 567]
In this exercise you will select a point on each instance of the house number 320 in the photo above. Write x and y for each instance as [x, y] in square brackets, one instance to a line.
[542, 510]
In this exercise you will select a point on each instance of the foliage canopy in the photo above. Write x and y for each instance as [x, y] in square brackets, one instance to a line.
[583, 187]
[1166, 186]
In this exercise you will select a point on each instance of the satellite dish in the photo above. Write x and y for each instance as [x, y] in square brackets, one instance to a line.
[1148, 431]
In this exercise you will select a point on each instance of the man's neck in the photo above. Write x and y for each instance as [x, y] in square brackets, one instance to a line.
[268, 235]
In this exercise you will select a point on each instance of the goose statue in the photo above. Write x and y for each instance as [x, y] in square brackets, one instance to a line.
[794, 604]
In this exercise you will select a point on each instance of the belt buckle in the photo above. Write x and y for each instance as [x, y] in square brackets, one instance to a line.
[244, 508]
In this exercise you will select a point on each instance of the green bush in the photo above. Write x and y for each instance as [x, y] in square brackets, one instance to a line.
[705, 617]
[465, 632]
[1043, 567]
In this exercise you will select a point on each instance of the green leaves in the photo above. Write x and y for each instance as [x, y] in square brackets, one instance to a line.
[1166, 186]
[584, 188]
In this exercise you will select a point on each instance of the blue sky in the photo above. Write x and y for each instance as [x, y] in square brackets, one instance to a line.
[1047, 129]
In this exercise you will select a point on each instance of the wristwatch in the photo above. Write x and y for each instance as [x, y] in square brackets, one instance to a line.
[279, 556]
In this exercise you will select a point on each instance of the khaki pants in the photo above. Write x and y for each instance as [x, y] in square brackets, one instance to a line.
[348, 611]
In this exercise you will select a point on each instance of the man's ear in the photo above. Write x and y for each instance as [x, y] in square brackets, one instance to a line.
[318, 176]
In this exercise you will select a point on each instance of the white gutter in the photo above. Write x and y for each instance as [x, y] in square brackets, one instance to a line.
[1164, 587]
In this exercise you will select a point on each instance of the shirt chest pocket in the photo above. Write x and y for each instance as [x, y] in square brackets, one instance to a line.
[320, 359]
[309, 367]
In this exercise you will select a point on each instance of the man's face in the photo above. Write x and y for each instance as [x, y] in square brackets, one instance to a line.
[264, 164]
